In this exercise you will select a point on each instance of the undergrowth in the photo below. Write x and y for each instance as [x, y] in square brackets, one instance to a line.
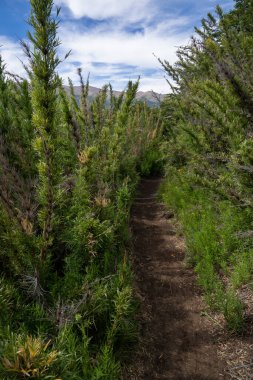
[216, 244]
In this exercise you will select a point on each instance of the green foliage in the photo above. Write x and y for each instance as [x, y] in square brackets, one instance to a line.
[152, 162]
[233, 312]
[209, 154]
[242, 268]
[44, 81]
[68, 173]
[211, 231]
[107, 368]
[7, 297]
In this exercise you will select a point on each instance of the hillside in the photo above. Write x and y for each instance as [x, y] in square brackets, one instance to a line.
[153, 99]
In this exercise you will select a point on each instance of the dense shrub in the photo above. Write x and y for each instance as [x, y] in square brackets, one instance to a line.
[209, 149]
[68, 172]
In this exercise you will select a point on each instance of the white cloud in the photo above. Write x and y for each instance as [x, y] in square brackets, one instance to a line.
[100, 9]
[119, 50]
[12, 55]
[109, 43]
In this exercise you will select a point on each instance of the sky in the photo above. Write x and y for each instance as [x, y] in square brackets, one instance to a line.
[113, 40]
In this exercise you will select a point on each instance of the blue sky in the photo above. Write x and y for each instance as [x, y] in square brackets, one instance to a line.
[113, 40]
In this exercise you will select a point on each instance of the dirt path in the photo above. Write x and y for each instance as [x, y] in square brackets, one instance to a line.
[176, 342]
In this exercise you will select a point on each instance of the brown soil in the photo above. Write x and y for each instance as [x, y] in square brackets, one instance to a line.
[176, 340]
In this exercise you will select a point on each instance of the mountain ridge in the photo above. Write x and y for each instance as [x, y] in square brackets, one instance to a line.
[152, 98]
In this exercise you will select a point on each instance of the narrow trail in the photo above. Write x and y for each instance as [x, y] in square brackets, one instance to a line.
[175, 341]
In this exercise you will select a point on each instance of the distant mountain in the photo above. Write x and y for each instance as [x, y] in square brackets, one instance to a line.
[152, 98]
